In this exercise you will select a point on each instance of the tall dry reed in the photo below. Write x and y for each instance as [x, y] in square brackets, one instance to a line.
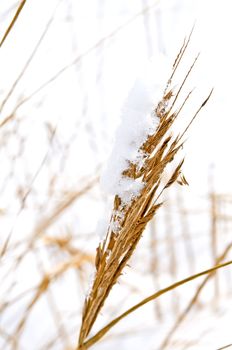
[159, 150]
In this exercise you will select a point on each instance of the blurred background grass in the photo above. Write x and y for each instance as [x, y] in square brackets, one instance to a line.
[65, 69]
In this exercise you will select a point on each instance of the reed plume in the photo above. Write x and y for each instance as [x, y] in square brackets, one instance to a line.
[129, 218]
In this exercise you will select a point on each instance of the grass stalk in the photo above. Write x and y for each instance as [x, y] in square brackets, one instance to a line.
[12, 23]
[154, 296]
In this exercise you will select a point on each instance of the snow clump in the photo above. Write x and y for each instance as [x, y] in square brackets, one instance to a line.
[138, 121]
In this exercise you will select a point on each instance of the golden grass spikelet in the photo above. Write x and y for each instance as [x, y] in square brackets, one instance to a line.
[129, 220]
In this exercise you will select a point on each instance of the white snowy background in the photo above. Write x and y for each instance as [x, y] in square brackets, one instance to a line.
[65, 73]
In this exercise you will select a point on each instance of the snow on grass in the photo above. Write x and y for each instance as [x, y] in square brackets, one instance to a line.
[138, 121]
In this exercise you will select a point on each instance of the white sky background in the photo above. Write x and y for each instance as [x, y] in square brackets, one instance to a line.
[107, 72]
[84, 101]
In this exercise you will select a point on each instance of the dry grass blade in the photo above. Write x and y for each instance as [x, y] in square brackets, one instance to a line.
[154, 296]
[193, 300]
[47, 222]
[129, 219]
[75, 262]
[26, 66]
[12, 23]
[197, 112]
[66, 203]
[6, 243]
[225, 347]
[91, 49]
[181, 52]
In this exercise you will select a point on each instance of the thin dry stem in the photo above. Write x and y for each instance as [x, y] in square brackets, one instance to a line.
[154, 296]
[12, 23]
[193, 300]
[78, 59]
